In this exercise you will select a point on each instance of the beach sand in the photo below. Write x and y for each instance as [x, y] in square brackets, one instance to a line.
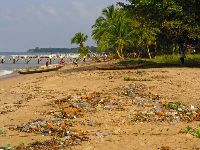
[27, 97]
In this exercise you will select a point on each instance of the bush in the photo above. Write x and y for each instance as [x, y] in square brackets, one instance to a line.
[167, 59]
[191, 60]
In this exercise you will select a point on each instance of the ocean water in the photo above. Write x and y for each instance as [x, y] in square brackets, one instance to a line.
[7, 68]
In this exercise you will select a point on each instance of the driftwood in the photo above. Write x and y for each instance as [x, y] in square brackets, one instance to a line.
[118, 67]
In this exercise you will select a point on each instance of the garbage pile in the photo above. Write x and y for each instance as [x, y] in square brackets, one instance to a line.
[67, 112]
[63, 135]
[151, 108]
[63, 120]
[171, 112]
[54, 143]
[73, 107]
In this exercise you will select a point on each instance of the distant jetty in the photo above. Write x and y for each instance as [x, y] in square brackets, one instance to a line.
[37, 58]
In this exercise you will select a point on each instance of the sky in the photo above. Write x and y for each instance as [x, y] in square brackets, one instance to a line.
[26, 24]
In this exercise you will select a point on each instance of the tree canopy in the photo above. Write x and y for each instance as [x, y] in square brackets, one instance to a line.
[177, 20]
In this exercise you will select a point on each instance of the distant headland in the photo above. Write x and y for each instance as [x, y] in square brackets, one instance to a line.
[58, 50]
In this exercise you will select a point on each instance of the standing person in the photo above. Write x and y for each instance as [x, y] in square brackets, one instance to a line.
[75, 61]
[2, 61]
[47, 62]
[182, 53]
[84, 58]
[62, 61]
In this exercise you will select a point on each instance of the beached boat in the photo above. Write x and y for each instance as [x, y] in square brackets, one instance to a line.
[119, 67]
[40, 69]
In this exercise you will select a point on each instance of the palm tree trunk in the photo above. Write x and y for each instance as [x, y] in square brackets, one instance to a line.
[121, 51]
[148, 51]
[173, 48]
[118, 53]
[81, 45]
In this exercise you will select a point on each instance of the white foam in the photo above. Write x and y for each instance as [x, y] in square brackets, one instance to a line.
[5, 72]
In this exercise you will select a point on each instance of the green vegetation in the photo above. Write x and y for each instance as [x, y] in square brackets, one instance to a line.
[59, 50]
[80, 38]
[53, 50]
[167, 59]
[140, 72]
[173, 105]
[197, 132]
[178, 22]
[187, 129]
[149, 28]
[194, 131]
[1, 132]
[192, 60]
[114, 30]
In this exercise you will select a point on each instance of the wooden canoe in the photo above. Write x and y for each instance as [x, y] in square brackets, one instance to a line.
[40, 69]
[119, 67]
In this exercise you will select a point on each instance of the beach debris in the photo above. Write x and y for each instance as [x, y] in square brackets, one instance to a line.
[165, 148]
[71, 111]
[63, 135]
[54, 143]
[171, 112]
[137, 79]
[151, 107]
[130, 90]
[102, 134]
[7, 147]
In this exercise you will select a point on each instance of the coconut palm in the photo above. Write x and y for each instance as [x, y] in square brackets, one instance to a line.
[79, 38]
[113, 30]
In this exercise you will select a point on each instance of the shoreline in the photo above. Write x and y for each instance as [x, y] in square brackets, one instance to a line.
[8, 75]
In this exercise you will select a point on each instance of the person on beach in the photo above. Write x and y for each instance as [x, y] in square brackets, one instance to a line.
[182, 53]
[62, 61]
[2, 61]
[75, 61]
[47, 62]
[84, 58]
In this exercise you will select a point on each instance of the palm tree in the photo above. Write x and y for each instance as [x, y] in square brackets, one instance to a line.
[113, 30]
[79, 38]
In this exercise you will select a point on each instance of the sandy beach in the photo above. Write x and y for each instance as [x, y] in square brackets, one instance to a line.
[109, 123]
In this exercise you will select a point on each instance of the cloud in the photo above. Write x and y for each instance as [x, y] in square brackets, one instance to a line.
[80, 8]
[50, 10]
[42, 11]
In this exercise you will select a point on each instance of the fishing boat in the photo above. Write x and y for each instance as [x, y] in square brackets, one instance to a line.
[40, 69]
[119, 67]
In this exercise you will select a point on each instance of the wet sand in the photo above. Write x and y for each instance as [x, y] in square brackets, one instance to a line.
[27, 97]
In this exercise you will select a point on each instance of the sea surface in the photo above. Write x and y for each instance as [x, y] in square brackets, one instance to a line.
[7, 68]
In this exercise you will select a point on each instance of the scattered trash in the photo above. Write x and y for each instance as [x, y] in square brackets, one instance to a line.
[103, 134]
[165, 148]
[69, 111]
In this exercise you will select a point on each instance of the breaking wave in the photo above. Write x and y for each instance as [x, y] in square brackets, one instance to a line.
[5, 72]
